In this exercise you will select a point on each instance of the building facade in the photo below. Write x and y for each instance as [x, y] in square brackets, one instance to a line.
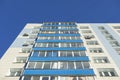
[64, 51]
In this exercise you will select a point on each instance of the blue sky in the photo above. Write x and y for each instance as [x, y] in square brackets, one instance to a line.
[14, 14]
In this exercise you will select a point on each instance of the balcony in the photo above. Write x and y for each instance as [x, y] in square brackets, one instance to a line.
[89, 37]
[107, 72]
[58, 78]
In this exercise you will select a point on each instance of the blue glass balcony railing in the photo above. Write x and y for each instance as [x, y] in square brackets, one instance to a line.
[56, 25]
[59, 29]
[60, 48]
[81, 58]
[66, 41]
[58, 35]
[79, 72]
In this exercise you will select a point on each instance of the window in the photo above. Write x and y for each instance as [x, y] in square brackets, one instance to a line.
[82, 65]
[96, 50]
[107, 72]
[63, 53]
[51, 53]
[79, 65]
[101, 27]
[77, 37]
[57, 78]
[21, 59]
[26, 78]
[101, 60]
[38, 65]
[105, 32]
[48, 32]
[71, 44]
[35, 77]
[45, 53]
[30, 42]
[64, 38]
[14, 72]
[92, 43]
[30, 65]
[109, 37]
[73, 38]
[35, 31]
[40, 45]
[69, 54]
[39, 78]
[58, 65]
[114, 43]
[46, 65]
[116, 27]
[117, 50]
[26, 50]
[72, 53]
[118, 31]
[69, 32]
[84, 27]
[54, 65]
[42, 38]
[71, 65]
[86, 31]
[42, 53]
[86, 65]
[42, 65]
[46, 45]
[33, 36]
[65, 44]
[38, 54]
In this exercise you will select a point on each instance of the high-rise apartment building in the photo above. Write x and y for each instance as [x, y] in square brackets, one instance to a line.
[64, 51]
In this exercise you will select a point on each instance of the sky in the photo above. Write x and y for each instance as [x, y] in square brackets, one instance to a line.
[14, 14]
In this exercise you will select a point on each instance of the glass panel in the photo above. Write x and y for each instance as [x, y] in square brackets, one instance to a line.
[76, 53]
[46, 65]
[69, 53]
[54, 65]
[106, 74]
[35, 53]
[112, 73]
[82, 53]
[73, 45]
[39, 65]
[53, 78]
[27, 78]
[45, 78]
[86, 65]
[71, 65]
[63, 53]
[63, 65]
[36, 77]
[31, 64]
[78, 65]
[42, 54]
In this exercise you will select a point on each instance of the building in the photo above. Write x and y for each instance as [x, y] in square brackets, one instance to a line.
[64, 51]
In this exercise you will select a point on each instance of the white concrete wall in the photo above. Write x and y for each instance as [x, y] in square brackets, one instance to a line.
[8, 59]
